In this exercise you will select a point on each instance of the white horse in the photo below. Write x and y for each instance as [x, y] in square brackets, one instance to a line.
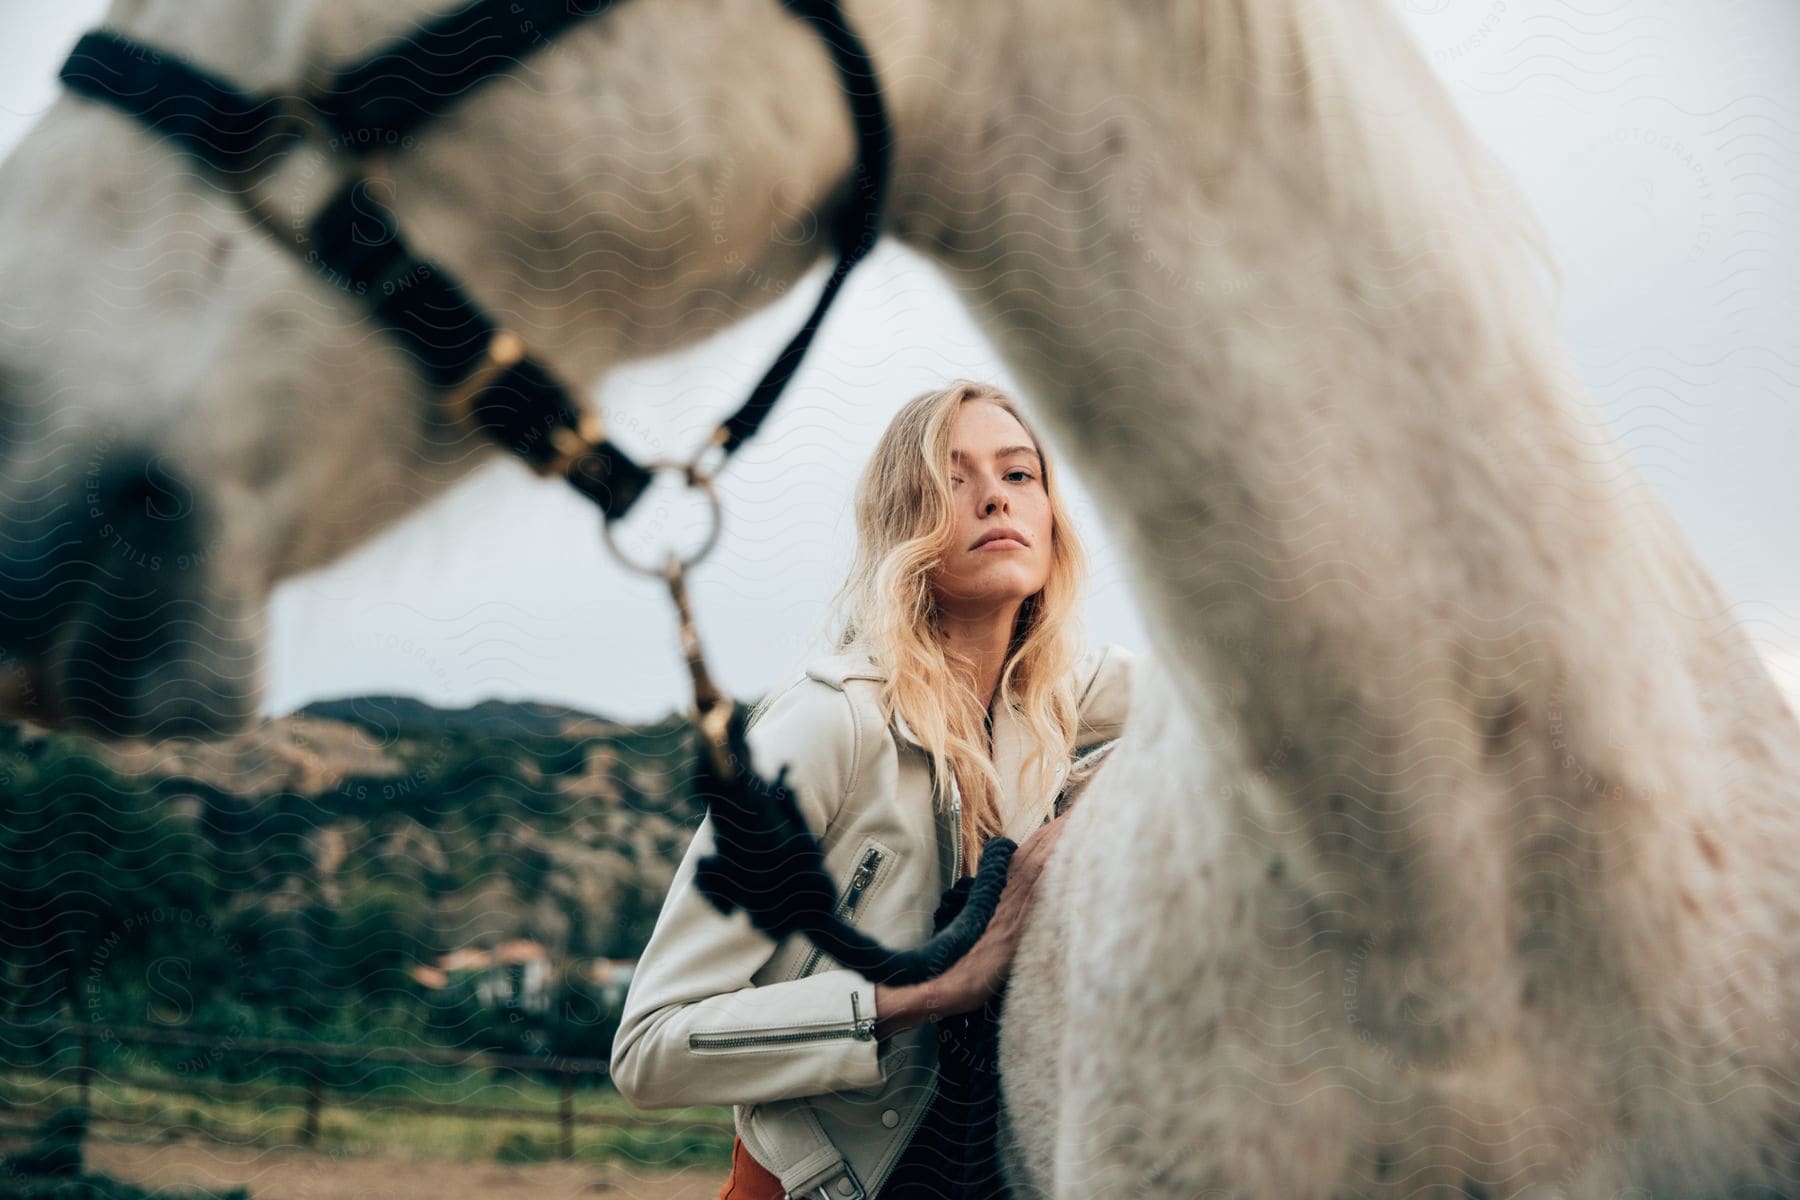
[1449, 852]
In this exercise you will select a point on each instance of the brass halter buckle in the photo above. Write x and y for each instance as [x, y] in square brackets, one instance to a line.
[505, 350]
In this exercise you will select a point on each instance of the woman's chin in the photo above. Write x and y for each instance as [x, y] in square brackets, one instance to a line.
[1000, 588]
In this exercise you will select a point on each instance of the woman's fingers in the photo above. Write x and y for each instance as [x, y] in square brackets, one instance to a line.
[979, 974]
[1030, 857]
[1015, 898]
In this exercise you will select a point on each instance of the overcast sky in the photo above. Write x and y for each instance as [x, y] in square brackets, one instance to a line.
[1660, 140]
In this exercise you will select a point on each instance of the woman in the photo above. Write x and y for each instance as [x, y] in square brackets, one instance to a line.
[958, 661]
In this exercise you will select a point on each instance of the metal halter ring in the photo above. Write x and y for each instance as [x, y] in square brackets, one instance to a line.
[695, 479]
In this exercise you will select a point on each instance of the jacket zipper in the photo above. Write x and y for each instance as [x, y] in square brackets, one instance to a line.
[956, 839]
[860, 1027]
[853, 894]
[920, 1110]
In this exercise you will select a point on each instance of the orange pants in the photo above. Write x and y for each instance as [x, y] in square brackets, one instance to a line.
[748, 1180]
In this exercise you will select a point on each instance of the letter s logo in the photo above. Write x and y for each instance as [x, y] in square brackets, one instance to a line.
[171, 1000]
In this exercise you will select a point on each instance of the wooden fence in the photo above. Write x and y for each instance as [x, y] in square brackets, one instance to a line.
[309, 1057]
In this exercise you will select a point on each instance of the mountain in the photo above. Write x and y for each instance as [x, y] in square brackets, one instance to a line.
[397, 716]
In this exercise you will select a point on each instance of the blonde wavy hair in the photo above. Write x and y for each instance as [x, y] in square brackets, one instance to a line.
[887, 608]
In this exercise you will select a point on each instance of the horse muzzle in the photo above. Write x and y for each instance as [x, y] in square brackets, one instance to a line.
[110, 622]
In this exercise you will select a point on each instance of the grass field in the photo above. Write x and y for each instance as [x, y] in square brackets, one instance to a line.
[698, 1138]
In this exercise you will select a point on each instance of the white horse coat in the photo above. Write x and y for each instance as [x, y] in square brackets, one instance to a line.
[1450, 850]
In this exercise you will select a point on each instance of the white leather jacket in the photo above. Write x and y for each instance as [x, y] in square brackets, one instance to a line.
[718, 1014]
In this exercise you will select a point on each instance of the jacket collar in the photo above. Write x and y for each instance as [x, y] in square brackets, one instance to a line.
[1010, 743]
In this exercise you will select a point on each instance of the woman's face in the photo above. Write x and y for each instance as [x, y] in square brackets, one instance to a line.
[999, 501]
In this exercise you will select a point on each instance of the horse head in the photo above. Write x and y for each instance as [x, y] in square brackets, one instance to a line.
[192, 410]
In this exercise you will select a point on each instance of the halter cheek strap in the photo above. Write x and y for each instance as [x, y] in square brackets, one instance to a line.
[484, 372]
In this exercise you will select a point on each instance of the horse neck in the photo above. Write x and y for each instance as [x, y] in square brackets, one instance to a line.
[1268, 296]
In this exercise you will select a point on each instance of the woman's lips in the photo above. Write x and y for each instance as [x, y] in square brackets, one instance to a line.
[1004, 543]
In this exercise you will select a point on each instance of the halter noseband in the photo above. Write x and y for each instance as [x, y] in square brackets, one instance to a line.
[484, 372]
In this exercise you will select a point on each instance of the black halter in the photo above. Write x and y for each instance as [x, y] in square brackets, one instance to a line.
[354, 240]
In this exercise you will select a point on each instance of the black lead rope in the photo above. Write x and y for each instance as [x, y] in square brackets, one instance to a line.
[769, 863]
[355, 242]
[859, 222]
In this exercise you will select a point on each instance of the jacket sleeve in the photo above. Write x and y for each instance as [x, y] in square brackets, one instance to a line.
[1105, 698]
[695, 1029]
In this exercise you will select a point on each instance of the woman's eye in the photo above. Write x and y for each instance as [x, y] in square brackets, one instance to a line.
[1019, 471]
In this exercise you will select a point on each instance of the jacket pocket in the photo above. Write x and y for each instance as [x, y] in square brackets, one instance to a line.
[873, 864]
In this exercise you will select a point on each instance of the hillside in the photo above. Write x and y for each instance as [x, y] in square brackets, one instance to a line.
[293, 874]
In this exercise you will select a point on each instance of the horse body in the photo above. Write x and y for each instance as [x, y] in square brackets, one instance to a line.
[1450, 860]
[1467, 801]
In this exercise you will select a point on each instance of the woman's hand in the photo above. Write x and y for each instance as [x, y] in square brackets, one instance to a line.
[978, 976]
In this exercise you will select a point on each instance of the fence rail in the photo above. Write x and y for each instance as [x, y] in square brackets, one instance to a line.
[308, 1057]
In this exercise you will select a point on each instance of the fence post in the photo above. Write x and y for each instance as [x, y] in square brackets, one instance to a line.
[566, 1114]
[84, 1070]
[315, 1087]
